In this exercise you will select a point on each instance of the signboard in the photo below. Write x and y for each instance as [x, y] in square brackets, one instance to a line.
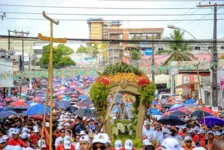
[222, 84]
[6, 71]
[20, 82]
[186, 79]
[148, 51]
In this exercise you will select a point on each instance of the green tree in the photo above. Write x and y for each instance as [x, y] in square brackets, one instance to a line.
[179, 51]
[82, 49]
[58, 59]
[65, 49]
[135, 54]
[90, 48]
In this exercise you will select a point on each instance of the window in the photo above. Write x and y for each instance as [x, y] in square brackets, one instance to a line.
[197, 48]
[222, 47]
[160, 49]
[209, 47]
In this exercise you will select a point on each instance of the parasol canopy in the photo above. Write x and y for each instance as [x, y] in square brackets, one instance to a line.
[171, 120]
[37, 109]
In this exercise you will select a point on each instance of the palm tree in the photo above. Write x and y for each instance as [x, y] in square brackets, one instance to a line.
[179, 51]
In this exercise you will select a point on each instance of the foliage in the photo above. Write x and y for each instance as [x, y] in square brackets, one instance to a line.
[121, 68]
[135, 54]
[90, 48]
[147, 94]
[82, 49]
[179, 51]
[99, 94]
[58, 58]
[65, 49]
[222, 57]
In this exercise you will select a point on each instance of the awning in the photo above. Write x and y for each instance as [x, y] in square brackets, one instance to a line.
[186, 84]
[162, 79]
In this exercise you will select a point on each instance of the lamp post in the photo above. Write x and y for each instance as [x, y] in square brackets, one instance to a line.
[174, 27]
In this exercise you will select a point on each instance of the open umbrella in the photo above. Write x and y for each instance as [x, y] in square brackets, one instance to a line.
[62, 105]
[37, 109]
[191, 107]
[153, 111]
[199, 113]
[212, 120]
[84, 104]
[85, 112]
[6, 114]
[154, 103]
[207, 109]
[190, 101]
[178, 113]
[166, 105]
[39, 117]
[72, 109]
[18, 104]
[82, 97]
[176, 106]
[171, 120]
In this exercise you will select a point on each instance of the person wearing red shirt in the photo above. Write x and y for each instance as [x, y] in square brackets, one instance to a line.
[15, 140]
[194, 137]
[211, 137]
[183, 132]
[66, 146]
[201, 134]
[188, 143]
[35, 137]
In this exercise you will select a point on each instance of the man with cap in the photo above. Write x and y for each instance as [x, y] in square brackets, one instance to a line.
[2, 144]
[170, 144]
[194, 137]
[60, 139]
[15, 140]
[35, 136]
[211, 137]
[68, 146]
[128, 145]
[147, 133]
[43, 146]
[218, 135]
[84, 142]
[188, 143]
[101, 141]
[24, 138]
[201, 135]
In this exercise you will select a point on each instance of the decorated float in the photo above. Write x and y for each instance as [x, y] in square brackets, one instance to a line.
[125, 79]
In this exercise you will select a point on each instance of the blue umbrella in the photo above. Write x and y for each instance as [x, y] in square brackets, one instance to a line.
[154, 103]
[6, 114]
[8, 108]
[62, 105]
[154, 111]
[82, 97]
[212, 120]
[37, 109]
[190, 101]
[176, 106]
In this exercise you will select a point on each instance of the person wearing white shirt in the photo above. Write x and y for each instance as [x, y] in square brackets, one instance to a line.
[158, 134]
[147, 131]
[60, 139]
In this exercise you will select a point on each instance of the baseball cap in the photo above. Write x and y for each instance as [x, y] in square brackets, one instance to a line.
[101, 138]
[67, 124]
[147, 123]
[199, 148]
[186, 138]
[146, 142]
[36, 130]
[118, 144]
[191, 131]
[67, 138]
[43, 143]
[210, 132]
[5, 137]
[67, 144]
[15, 131]
[201, 131]
[82, 133]
[84, 138]
[47, 124]
[2, 141]
[25, 130]
[217, 133]
[196, 128]
[128, 144]
[24, 135]
[171, 144]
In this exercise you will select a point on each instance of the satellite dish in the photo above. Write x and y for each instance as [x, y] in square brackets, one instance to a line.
[11, 52]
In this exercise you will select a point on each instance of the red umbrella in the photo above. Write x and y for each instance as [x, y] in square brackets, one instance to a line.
[207, 109]
[39, 117]
[18, 104]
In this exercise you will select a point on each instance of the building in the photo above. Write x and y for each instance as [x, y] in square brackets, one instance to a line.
[98, 28]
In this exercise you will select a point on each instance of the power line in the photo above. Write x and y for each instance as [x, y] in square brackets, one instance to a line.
[81, 14]
[85, 20]
[71, 7]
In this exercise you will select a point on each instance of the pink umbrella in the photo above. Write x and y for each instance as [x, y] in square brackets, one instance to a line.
[8, 99]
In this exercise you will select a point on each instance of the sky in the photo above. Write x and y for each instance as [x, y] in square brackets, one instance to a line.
[200, 29]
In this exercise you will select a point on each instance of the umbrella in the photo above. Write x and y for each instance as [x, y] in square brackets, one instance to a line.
[212, 120]
[178, 113]
[207, 109]
[72, 109]
[82, 97]
[171, 120]
[6, 114]
[8, 108]
[176, 106]
[191, 107]
[190, 101]
[166, 105]
[199, 113]
[85, 112]
[62, 105]
[154, 111]
[18, 104]
[154, 103]
[86, 103]
[39, 117]
[37, 109]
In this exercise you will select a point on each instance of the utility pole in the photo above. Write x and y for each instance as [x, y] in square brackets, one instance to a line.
[214, 55]
[153, 61]
[21, 34]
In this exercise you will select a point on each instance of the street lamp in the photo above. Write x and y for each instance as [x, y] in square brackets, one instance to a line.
[177, 28]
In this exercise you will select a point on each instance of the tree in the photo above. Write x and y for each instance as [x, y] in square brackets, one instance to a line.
[179, 51]
[135, 54]
[82, 49]
[65, 49]
[58, 58]
[90, 48]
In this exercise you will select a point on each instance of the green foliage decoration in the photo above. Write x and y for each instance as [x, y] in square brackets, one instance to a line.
[147, 94]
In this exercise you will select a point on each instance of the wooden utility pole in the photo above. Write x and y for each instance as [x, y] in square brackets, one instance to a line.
[214, 55]
[153, 60]
[50, 74]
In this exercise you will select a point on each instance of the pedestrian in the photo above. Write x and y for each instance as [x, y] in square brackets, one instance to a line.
[84, 142]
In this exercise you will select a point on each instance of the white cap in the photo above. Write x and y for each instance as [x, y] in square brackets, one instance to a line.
[59, 127]
[196, 128]
[168, 126]
[67, 124]
[171, 144]
[35, 127]
[24, 135]
[217, 133]
[128, 144]
[146, 142]
[101, 138]
[2, 141]
[25, 130]
[5, 137]
[165, 130]
[67, 138]
[43, 144]
[201, 131]
[191, 131]
[186, 138]
[118, 144]
[82, 133]
[210, 132]
[11, 130]
[67, 144]
[84, 138]
[199, 148]
[15, 131]
[47, 124]
[36, 130]
[84, 118]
